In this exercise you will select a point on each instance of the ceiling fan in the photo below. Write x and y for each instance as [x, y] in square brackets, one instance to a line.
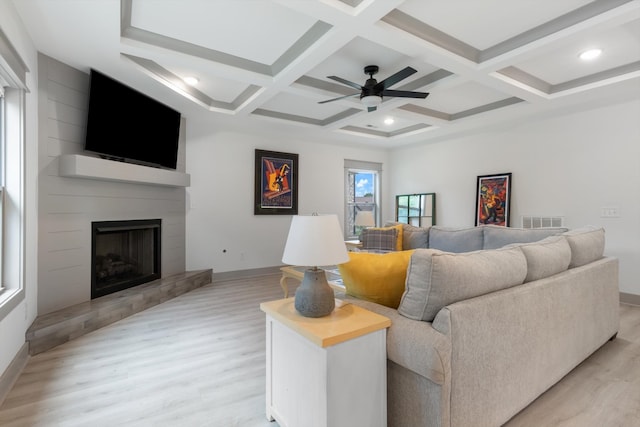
[372, 92]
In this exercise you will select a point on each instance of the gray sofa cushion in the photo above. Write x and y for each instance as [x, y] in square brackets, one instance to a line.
[436, 279]
[455, 239]
[412, 237]
[545, 258]
[587, 245]
[496, 237]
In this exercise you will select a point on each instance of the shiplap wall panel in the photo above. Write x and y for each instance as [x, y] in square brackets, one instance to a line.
[70, 96]
[105, 208]
[72, 116]
[65, 258]
[59, 73]
[173, 229]
[66, 132]
[64, 240]
[171, 260]
[67, 206]
[66, 284]
[59, 147]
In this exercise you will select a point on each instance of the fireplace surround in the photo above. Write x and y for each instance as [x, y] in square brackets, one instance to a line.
[124, 254]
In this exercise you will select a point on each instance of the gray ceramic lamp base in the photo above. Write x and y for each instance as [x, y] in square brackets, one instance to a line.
[314, 296]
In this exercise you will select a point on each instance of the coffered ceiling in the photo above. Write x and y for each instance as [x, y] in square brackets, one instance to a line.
[263, 65]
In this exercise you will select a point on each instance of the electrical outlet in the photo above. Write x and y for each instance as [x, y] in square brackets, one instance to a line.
[610, 212]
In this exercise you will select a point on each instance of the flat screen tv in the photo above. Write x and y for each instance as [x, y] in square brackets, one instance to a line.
[126, 125]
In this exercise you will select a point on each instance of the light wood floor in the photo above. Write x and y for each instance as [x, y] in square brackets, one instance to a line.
[199, 360]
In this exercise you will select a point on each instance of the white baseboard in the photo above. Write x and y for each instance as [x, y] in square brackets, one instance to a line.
[632, 299]
[13, 371]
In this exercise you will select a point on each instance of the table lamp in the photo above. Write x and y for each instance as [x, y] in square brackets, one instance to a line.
[365, 219]
[315, 240]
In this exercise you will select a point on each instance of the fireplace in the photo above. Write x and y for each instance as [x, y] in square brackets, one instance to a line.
[124, 254]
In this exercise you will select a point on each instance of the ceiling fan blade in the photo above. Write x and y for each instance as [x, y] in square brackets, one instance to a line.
[346, 82]
[404, 94]
[395, 78]
[335, 99]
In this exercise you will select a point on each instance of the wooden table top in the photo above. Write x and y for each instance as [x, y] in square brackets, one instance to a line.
[347, 321]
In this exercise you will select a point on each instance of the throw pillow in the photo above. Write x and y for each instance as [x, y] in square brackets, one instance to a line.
[496, 237]
[374, 277]
[382, 238]
[456, 239]
[399, 241]
[436, 279]
[413, 237]
[545, 258]
[587, 245]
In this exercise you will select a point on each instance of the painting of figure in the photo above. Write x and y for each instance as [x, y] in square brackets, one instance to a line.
[493, 194]
[276, 183]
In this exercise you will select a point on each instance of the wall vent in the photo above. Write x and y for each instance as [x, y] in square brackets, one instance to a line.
[532, 221]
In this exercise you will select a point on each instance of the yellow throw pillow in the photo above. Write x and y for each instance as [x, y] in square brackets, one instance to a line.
[375, 277]
[397, 227]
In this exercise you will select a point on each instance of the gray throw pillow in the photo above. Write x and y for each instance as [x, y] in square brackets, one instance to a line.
[455, 239]
[496, 237]
[587, 245]
[379, 240]
[412, 237]
[436, 279]
[545, 258]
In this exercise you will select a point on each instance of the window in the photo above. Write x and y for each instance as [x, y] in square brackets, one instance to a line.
[362, 193]
[416, 209]
[2, 191]
[13, 89]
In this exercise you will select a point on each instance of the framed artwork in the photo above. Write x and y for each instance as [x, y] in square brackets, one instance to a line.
[493, 194]
[276, 183]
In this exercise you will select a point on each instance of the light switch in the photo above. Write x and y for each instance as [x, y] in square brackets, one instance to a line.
[610, 212]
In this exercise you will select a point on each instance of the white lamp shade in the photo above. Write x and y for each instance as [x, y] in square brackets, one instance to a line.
[315, 240]
[365, 219]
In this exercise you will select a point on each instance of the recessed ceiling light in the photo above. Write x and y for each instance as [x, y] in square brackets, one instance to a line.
[590, 54]
[389, 121]
[191, 81]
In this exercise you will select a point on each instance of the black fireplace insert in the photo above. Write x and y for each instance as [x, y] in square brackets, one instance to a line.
[124, 254]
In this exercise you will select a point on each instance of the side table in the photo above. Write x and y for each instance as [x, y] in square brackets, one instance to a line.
[326, 372]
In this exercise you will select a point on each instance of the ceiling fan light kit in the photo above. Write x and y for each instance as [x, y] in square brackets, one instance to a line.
[371, 101]
[372, 92]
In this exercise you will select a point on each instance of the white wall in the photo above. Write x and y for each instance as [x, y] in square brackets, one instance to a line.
[220, 200]
[571, 165]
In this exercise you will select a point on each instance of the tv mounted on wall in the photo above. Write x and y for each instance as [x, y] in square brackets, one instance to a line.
[126, 125]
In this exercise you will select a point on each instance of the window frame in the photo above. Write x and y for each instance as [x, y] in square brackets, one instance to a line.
[13, 86]
[2, 188]
[421, 205]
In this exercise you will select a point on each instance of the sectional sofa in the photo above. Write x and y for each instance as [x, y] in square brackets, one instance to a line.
[485, 319]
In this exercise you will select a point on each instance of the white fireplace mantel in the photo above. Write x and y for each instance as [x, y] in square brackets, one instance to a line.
[79, 166]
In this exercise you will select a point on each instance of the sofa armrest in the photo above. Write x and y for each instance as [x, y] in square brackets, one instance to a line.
[413, 344]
